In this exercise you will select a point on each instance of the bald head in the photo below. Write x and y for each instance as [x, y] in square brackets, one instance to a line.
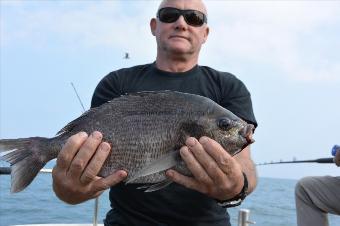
[185, 4]
[179, 40]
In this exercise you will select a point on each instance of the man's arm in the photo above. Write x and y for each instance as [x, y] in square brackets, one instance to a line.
[75, 177]
[215, 172]
[248, 167]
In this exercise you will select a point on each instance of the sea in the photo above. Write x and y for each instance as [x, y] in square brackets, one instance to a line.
[271, 204]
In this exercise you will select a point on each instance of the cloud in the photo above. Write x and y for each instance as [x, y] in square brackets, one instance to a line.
[297, 38]
[104, 24]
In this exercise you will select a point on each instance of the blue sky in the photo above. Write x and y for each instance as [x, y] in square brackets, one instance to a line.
[286, 52]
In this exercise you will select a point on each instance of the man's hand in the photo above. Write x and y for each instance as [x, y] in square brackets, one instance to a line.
[215, 172]
[75, 177]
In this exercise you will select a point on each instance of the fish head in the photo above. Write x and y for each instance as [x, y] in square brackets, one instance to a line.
[233, 133]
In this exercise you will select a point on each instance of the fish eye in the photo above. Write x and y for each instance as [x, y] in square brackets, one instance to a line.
[224, 123]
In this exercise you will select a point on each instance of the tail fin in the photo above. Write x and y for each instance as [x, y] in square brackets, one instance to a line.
[27, 156]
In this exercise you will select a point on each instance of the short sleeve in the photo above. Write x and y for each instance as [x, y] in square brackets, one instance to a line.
[107, 89]
[237, 99]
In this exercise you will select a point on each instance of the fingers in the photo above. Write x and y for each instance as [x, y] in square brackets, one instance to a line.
[215, 172]
[107, 182]
[187, 182]
[222, 158]
[75, 177]
[229, 176]
[211, 156]
[194, 166]
[96, 163]
[85, 153]
[69, 150]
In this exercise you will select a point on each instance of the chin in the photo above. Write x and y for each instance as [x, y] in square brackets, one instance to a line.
[179, 53]
[179, 49]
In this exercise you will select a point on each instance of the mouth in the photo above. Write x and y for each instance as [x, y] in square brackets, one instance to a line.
[178, 36]
[247, 133]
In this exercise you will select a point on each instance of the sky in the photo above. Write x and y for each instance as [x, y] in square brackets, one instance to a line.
[286, 53]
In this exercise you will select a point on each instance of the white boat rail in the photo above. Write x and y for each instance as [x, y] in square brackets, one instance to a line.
[243, 217]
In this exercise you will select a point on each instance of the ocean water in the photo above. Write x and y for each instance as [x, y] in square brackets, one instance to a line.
[271, 204]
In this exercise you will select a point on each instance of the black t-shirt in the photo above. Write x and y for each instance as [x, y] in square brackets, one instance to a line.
[174, 205]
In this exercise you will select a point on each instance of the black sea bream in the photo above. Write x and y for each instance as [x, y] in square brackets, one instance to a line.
[145, 130]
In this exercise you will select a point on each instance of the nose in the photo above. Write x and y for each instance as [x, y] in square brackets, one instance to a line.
[180, 24]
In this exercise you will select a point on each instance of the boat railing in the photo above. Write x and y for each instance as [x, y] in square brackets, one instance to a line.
[243, 217]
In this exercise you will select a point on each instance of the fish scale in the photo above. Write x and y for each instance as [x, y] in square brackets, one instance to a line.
[145, 131]
[136, 147]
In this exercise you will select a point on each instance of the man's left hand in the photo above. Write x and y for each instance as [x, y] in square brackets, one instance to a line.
[215, 172]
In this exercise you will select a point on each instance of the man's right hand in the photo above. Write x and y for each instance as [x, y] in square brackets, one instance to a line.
[75, 177]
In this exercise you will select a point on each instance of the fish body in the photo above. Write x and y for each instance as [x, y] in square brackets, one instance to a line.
[145, 131]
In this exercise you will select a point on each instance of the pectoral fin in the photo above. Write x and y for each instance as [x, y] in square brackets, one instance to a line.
[158, 165]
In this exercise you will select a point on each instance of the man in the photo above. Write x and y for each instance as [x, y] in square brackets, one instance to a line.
[218, 179]
[315, 197]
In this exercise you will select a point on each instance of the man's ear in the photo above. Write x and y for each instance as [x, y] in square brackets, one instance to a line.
[153, 25]
[206, 34]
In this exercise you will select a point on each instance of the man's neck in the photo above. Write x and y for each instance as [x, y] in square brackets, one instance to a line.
[175, 65]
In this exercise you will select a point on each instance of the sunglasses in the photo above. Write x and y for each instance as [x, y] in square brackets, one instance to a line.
[192, 17]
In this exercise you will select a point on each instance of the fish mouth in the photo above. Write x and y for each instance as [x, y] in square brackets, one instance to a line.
[247, 133]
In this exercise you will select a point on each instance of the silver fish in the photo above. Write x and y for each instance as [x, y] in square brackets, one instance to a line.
[145, 130]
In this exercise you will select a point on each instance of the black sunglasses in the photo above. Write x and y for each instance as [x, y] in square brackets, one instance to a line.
[192, 17]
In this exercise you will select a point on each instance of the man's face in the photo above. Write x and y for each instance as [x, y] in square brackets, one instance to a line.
[179, 37]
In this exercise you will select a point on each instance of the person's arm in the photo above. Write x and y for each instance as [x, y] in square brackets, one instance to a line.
[75, 177]
[248, 167]
[215, 172]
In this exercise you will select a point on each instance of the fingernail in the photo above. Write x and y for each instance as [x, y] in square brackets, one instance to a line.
[184, 151]
[122, 174]
[105, 146]
[170, 173]
[203, 140]
[82, 134]
[191, 141]
[97, 135]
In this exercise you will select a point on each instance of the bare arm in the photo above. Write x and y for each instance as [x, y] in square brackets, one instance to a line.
[248, 167]
[215, 172]
[75, 177]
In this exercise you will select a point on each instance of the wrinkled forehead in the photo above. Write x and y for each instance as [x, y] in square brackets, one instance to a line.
[184, 4]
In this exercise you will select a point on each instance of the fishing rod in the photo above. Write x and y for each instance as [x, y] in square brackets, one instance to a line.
[319, 160]
[7, 170]
[81, 102]
[96, 201]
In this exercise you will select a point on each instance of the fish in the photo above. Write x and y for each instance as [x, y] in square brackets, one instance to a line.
[145, 130]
